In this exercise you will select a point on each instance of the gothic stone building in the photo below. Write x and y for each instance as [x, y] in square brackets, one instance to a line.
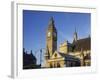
[72, 54]
[29, 60]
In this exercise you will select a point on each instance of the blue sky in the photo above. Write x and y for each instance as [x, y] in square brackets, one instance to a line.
[35, 24]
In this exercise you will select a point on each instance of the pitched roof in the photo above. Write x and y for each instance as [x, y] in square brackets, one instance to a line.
[82, 44]
[52, 24]
[68, 57]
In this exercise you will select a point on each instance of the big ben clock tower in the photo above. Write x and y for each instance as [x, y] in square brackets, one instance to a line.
[51, 39]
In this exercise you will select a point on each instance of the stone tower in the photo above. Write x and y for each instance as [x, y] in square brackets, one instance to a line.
[51, 39]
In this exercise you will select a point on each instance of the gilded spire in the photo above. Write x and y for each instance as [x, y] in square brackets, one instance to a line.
[75, 36]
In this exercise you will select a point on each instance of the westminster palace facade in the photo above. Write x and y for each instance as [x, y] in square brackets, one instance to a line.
[77, 53]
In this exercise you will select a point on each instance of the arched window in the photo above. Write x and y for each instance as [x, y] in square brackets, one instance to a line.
[71, 64]
[58, 65]
[51, 65]
[54, 65]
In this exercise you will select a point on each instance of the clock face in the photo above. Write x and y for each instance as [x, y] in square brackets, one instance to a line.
[49, 34]
[54, 34]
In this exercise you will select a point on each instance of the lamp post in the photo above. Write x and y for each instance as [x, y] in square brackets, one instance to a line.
[40, 55]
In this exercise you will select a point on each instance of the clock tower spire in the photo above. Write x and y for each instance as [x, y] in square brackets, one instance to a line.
[75, 36]
[51, 39]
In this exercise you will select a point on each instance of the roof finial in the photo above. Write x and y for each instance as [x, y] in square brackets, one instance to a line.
[75, 36]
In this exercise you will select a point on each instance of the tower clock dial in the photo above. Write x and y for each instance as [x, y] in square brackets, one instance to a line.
[54, 34]
[49, 34]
